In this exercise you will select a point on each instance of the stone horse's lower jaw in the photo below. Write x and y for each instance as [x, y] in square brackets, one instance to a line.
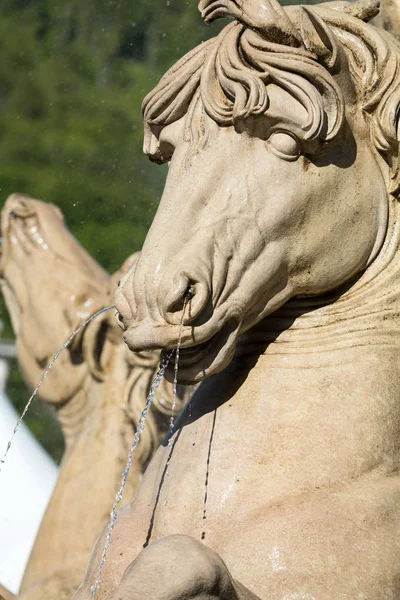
[197, 359]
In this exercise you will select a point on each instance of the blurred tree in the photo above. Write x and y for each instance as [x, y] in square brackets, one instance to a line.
[72, 78]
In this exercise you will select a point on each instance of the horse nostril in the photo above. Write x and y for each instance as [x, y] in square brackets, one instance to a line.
[124, 314]
[120, 321]
[190, 292]
[187, 301]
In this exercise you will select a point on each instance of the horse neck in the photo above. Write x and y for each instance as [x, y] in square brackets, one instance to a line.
[74, 414]
[94, 422]
[323, 330]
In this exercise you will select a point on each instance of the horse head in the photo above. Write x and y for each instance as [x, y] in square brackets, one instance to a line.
[281, 136]
[51, 285]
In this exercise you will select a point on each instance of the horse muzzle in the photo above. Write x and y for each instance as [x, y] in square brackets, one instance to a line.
[171, 307]
[203, 350]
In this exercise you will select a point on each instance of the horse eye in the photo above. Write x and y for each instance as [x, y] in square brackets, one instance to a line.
[285, 145]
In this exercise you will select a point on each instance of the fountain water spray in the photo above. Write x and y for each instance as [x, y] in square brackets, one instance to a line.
[113, 514]
[48, 369]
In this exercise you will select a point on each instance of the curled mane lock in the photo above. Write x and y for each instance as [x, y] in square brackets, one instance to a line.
[242, 65]
[326, 58]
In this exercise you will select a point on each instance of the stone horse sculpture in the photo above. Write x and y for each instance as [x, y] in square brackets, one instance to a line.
[98, 387]
[279, 228]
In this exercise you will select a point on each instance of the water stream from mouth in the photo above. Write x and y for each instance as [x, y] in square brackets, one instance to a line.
[48, 369]
[165, 360]
[176, 368]
[174, 396]
[140, 427]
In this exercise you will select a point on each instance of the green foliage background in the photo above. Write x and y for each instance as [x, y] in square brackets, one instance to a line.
[73, 74]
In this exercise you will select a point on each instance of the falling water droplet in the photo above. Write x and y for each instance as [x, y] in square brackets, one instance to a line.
[140, 427]
[49, 367]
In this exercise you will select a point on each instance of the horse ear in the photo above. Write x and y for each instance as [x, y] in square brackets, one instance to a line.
[267, 17]
[318, 38]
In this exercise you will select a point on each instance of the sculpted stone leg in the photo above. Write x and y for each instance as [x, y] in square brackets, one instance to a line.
[179, 567]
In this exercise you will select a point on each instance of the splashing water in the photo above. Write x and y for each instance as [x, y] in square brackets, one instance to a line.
[113, 514]
[48, 369]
